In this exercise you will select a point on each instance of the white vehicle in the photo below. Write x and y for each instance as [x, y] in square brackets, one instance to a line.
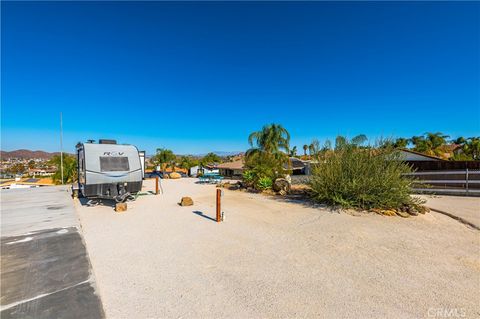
[108, 170]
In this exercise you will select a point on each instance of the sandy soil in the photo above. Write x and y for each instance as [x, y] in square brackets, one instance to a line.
[274, 259]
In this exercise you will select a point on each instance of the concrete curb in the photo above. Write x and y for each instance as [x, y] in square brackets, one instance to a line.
[457, 218]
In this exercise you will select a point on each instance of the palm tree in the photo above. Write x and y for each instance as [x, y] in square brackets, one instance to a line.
[419, 143]
[305, 148]
[293, 151]
[430, 143]
[271, 139]
[435, 140]
[459, 140]
[401, 142]
[269, 151]
[472, 147]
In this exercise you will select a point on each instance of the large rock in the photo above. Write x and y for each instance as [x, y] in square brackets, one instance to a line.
[186, 201]
[281, 185]
[175, 175]
[120, 207]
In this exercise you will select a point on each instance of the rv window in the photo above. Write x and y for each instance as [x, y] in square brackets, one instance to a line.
[113, 164]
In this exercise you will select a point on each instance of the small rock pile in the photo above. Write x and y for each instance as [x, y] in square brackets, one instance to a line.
[405, 211]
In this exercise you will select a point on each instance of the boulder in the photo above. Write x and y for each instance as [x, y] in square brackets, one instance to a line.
[175, 175]
[120, 207]
[186, 201]
[281, 184]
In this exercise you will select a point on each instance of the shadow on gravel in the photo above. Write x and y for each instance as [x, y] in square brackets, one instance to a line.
[201, 214]
[95, 202]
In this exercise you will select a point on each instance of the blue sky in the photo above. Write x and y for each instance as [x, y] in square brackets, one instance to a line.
[197, 77]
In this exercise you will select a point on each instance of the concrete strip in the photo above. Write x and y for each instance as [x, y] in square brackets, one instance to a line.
[461, 208]
[45, 272]
[33, 209]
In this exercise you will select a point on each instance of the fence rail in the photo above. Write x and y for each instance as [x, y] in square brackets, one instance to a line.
[454, 182]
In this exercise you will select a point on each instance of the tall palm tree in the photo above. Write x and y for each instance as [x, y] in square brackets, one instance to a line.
[271, 139]
[293, 151]
[305, 148]
[311, 149]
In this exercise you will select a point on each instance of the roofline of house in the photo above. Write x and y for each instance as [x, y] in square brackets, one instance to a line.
[421, 154]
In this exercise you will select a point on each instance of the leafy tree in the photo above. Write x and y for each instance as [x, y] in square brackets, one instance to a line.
[210, 158]
[359, 140]
[342, 141]
[16, 168]
[163, 157]
[187, 162]
[69, 169]
[31, 164]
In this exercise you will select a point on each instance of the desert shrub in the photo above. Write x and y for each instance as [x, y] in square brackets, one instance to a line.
[262, 166]
[264, 183]
[248, 177]
[362, 178]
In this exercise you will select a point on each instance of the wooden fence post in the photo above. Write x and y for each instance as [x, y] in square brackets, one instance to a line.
[156, 185]
[219, 194]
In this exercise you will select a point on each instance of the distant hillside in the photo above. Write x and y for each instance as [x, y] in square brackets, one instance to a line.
[26, 154]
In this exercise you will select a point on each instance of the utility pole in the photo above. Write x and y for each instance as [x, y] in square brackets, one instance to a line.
[61, 147]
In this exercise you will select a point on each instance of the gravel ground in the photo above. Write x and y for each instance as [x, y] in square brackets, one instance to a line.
[275, 259]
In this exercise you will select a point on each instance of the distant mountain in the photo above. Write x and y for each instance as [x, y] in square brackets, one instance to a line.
[220, 153]
[27, 154]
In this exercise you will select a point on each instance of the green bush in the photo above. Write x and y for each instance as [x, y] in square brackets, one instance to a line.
[264, 183]
[362, 178]
[69, 169]
[249, 177]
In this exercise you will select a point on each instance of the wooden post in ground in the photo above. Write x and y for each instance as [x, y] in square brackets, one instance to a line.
[219, 194]
[156, 185]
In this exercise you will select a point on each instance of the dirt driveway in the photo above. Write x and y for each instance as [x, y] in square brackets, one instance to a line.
[272, 259]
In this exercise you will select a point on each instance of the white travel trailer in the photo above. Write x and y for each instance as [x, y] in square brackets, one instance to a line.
[108, 170]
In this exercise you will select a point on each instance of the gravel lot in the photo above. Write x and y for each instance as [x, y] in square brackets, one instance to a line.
[274, 259]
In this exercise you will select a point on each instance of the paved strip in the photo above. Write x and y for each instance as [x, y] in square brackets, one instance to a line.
[45, 272]
[462, 208]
